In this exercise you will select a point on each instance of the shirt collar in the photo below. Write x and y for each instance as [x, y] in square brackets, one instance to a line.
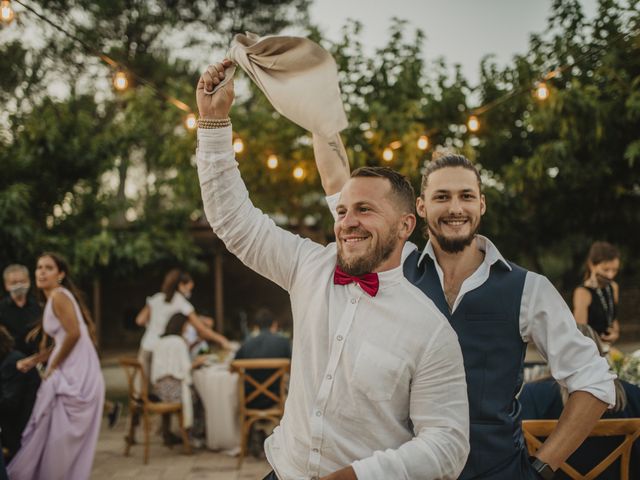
[491, 252]
[390, 277]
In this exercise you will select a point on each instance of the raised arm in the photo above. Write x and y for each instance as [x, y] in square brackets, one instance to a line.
[247, 233]
[332, 162]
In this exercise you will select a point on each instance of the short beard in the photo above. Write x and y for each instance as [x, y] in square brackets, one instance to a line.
[368, 263]
[449, 245]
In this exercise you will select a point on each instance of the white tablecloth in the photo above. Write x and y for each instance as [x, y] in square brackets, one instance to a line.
[218, 390]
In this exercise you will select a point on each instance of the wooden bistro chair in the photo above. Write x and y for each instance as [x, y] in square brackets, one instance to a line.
[248, 416]
[629, 428]
[141, 406]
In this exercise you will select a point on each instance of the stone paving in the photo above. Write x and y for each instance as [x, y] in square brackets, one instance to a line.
[164, 463]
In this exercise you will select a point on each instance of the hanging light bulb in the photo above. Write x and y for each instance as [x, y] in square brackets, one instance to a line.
[542, 91]
[238, 146]
[191, 122]
[120, 80]
[473, 123]
[272, 161]
[423, 142]
[298, 173]
[387, 154]
[6, 12]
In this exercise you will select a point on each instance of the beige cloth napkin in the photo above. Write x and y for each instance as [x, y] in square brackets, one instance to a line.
[298, 76]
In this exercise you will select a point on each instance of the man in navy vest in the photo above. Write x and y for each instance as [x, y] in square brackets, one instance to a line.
[496, 308]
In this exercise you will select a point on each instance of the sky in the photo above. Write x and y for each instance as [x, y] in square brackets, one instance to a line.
[461, 31]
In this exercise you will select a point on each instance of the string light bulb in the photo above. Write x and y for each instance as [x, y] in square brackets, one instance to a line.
[423, 142]
[120, 80]
[6, 12]
[272, 161]
[395, 145]
[387, 154]
[191, 122]
[542, 91]
[473, 123]
[298, 173]
[238, 146]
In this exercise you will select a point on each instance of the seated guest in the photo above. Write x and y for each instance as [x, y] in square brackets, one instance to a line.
[268, 343]
[17, 394]
[544, 400]
[171, 375]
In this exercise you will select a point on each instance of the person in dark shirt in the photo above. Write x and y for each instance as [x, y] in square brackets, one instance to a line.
[544, 400]
[17, 394]
[19, 311]
[267, 344]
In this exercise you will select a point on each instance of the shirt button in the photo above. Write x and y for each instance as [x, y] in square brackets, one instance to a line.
[315, 450]
[339, 338]
[318, 413]
[353, 300]
[329, 377]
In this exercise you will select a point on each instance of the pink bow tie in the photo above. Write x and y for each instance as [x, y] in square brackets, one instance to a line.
[368, 282]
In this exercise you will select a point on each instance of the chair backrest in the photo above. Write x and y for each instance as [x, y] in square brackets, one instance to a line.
[136, 378]
[627, 427]
[246, 368]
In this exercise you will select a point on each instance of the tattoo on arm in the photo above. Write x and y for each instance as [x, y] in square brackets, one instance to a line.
[334, 146]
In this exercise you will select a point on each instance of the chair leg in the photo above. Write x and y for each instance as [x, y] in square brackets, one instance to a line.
[145, 416]
[130, 439]
[185, 436]
[244, 438]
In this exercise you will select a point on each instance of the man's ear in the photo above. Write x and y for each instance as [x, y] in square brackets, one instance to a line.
[407, 225]
[421, 208]
[483, 204]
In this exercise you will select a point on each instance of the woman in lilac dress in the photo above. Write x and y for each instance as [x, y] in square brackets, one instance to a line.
[59, 441]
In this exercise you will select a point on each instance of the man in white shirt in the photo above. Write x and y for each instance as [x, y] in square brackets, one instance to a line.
[377, 385]
[496, 308]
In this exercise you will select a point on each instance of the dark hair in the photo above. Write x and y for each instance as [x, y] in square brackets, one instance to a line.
[264, 318]
[598, 253]
[172, 279]
[6, 342]
[68, 283]
[175, 325]
[400, 185]
[446, 159]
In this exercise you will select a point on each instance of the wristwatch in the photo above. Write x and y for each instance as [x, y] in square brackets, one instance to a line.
[544, 470]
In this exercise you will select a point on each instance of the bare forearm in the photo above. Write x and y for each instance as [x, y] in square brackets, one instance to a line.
[578, 418]
[66, 348]
[346, 473]
[332, 162]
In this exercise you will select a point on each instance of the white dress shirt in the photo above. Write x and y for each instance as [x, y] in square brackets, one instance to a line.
[545, 319]
[376, 382]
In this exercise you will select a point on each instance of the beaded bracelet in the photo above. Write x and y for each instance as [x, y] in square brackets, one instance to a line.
[214, 123]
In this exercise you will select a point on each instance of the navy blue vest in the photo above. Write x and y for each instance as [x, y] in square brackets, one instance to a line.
[487, 322]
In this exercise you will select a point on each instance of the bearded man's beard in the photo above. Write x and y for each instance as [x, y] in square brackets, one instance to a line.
[368, 263]
[449, 245]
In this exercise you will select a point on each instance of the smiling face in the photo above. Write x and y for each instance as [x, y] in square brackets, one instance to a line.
[452, 206]
[370, 230]
[48, 275]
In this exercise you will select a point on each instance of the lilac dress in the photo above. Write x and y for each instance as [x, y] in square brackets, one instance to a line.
[60, 439]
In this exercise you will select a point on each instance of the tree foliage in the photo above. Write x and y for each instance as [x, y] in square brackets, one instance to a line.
[109, 179]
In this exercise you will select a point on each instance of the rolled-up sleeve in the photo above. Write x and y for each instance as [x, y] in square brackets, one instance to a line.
[573, 359]
[439, 411]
